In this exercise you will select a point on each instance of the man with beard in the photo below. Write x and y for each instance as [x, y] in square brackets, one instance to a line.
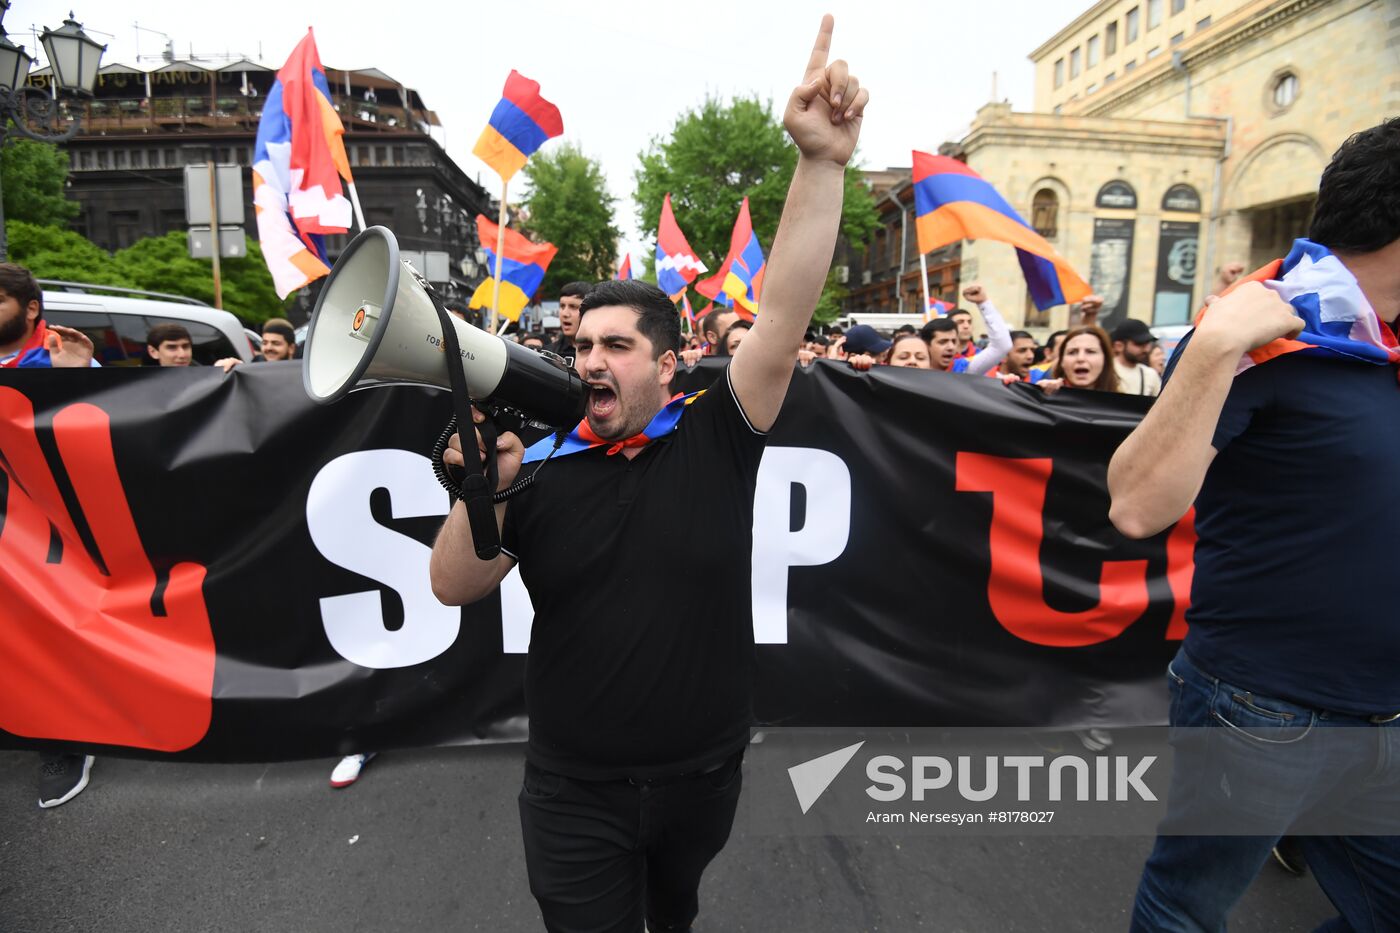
[570, 299]
[1132, 353]
[640, 704]
[26, 340]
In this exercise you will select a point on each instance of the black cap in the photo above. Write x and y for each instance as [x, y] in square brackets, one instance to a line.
[1133, 331]
[862, 338]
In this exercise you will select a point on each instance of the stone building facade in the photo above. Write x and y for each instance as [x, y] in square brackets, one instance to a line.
[885, 278]
[1170, 137]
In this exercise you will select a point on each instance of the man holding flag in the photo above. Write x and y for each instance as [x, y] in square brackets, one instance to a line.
[640, 704]
[1278, 420]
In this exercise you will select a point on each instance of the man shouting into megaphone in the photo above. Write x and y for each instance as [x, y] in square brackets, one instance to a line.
[640, 703]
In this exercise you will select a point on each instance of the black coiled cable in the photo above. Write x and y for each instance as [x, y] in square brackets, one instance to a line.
[455, 488]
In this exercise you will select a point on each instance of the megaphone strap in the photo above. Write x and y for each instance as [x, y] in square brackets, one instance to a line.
[479, 487]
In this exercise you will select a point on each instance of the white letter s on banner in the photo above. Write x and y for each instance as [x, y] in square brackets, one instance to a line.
[346, 534]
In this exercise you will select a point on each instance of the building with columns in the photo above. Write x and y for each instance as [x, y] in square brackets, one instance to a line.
[1169, 137]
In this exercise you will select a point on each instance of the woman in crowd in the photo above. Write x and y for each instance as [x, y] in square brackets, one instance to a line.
[909, 350]
[734, 336]
[1085, 362]
[1157, 359]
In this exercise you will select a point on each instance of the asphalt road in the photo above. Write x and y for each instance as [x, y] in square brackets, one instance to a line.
[429, 840]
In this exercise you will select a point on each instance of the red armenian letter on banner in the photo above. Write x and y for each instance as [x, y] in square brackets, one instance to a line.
[1016, 588]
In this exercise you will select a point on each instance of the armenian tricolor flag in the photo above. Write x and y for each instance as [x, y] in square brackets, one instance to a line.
[624, 269]
[298, 163]
[523, 265]
[676, 263]
[936, 308]
[519, 125]
[952, 203]
[741, 276]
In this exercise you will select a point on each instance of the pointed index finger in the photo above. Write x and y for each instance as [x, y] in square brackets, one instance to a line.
[816, 64]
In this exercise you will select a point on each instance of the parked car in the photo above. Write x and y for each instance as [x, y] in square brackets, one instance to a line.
[117, 320]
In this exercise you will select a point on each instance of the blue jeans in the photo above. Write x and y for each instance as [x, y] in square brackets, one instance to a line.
[1190, 883]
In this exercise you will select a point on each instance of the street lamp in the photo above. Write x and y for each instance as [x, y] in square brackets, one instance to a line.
[73, 55]
[33, 112]
[14, 62]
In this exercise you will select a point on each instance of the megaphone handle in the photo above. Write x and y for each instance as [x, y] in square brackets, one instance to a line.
[479, 488]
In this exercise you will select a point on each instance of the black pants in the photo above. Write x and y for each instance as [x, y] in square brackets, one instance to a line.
[602, 855]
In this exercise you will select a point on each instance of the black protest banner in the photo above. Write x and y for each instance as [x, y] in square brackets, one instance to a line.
[213, 568]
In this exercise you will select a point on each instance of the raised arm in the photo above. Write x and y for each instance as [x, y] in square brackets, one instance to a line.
[823, 117]
[1157, 472]
[998, 334]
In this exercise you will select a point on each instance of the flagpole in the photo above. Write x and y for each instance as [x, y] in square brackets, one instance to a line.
[500, 250]
[923, 275]
[355, 203]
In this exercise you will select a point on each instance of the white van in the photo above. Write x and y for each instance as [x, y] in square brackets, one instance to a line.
[889, 323]
[117, 320]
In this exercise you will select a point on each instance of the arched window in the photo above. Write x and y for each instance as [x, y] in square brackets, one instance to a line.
[1285, 90]
[1045, 212]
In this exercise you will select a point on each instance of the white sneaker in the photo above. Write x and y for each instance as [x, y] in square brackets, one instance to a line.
[348, 771]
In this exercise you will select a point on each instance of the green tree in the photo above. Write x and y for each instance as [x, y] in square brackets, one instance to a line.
[32, 178]
[569, 205]
[163, 264]
[56, 253]
[720, 153]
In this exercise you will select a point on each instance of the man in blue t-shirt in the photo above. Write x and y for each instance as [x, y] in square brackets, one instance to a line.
[1288, 449]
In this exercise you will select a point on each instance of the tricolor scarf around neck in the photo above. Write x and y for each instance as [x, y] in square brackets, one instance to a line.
[582, 437]
[1338, 321]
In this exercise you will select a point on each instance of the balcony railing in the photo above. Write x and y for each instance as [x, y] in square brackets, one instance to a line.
[232, 114]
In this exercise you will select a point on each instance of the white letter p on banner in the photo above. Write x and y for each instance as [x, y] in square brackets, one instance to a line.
[776, 546]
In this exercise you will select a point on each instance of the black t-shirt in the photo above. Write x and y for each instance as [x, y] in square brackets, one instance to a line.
[563, 347]
[1297, 520]
[641, 653]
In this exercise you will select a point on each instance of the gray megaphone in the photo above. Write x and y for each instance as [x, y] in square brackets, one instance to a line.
[376, 324]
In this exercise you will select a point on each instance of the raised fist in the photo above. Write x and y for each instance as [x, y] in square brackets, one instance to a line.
[975, 293]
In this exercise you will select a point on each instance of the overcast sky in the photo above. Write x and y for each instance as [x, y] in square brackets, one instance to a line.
[622, 71]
